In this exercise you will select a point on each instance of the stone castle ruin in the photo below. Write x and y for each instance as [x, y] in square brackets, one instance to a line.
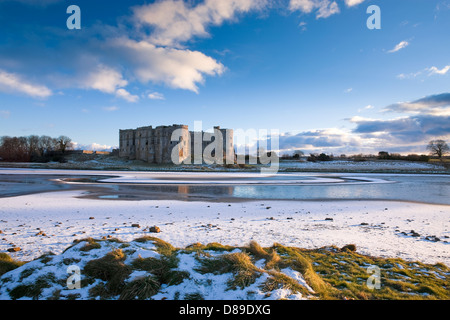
[176, 144]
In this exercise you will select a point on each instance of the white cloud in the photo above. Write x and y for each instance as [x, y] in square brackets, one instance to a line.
[305, 6]
[156, 96]
[92, 147]
[175, 21]
[368, 107]
[107, 80]
[425, 72]
[355, 119]
[10, 82]
[177, 68]
[325, 8]
[104, 79]
[434, 70]
[399, 46]
[124, 94]
[348, 90]
[351, 3]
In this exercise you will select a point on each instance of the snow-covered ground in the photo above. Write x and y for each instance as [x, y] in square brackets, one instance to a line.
[46, 222]
[106, 162]
[370, 165]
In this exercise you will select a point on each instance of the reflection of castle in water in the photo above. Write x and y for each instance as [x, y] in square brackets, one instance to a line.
[217, 190]
[200, 190]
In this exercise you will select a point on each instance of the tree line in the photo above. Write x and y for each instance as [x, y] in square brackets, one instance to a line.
[436, 148]
[34, 148]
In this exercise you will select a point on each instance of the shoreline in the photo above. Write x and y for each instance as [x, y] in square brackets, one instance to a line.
[109, 163]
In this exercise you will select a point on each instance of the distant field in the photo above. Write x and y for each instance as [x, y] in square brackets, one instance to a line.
[109, 162]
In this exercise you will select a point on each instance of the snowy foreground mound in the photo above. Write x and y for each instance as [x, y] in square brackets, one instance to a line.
[149, 268]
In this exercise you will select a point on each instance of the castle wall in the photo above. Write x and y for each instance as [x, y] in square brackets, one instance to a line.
[127, 144]
[154, 145]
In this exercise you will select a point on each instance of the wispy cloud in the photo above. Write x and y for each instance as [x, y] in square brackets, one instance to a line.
[435, 70]
[111, 108]
[413, 75]
[11, 82]
[348, 90]
[324, 8]
[5, 114]
[438, 105]
[124, 94]
[425, 72]
[368, 107]
[302, 25]
[351, 3]
[399, 46]
[156, 96]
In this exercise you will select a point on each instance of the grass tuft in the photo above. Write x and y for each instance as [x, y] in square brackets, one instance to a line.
[110, 268]
[140, 289]
[7, 263]
[239, 263]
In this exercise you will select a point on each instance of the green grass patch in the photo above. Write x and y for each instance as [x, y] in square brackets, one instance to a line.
[33, 290]
[7, 263]
[399, 280]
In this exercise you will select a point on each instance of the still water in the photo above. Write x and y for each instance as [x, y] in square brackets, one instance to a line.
[419, 188]
[428, 188]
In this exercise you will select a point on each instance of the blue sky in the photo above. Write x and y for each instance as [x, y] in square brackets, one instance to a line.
[308, 68]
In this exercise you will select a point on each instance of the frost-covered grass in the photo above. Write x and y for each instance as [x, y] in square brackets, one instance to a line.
[109, 162]
[150, 268]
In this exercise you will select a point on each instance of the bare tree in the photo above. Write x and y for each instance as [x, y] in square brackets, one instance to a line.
[33, 146]
[438, 148]
[64, 143]
[47, 144]
[14, 149]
